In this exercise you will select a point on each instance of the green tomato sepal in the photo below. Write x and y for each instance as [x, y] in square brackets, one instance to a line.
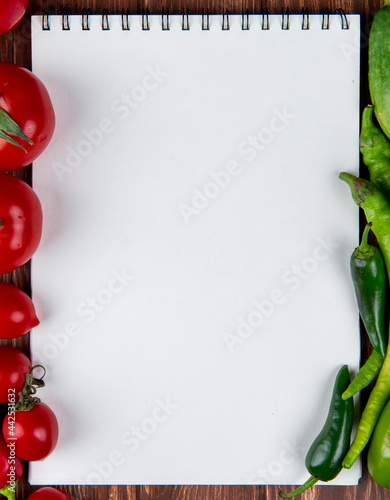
[8, 128]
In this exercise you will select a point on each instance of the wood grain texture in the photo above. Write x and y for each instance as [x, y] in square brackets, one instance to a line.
[15, 47]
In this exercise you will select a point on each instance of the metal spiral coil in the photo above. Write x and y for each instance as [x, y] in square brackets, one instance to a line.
[105, 20]
[145, 20]
[265, 20]
[205, 20]
[225, 20]
[65, 19]
[85, 19]
[245, 20]
[325, 18]
[165, 20]
[305, 19]
[344, 19]
[45, 21]
[185, 23]
[286, 19]
[125, 20]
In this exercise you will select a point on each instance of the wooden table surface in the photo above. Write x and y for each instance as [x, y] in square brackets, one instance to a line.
[16, 47]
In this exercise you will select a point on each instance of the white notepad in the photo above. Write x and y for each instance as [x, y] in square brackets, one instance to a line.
[193, 278]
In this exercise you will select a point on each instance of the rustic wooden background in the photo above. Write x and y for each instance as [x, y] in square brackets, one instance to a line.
[15, 47]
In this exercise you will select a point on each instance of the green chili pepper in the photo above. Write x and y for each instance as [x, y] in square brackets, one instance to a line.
[323, 460]
[375, 149]
[369, 280]
[365, 376]
[378, 457]
[377, 210]
[379, 66]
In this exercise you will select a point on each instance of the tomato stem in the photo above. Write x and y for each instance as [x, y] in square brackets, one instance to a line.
[9, 491]
[27, 398]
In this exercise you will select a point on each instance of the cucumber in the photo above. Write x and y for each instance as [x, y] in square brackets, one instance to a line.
[379, 66]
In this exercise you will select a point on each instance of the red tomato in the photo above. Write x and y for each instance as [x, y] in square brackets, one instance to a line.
[49, 493]
[11, 467]
[14, 366]
[34, 432]
[20, 222]
[17, 312]
[11, 13]
[26, 100]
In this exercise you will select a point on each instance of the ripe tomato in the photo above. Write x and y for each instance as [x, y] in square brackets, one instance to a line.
[26, 100]
[14, 366]
[20, 222]
[49, 493]
[17, 312]
[11, 467]
[11, 13]
[34, 432]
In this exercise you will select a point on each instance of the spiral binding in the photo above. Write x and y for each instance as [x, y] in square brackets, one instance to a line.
[344, 19]
[125, 20]
[185, 23]
[145, 19]
[325, 18]
[286, 19]
[245, 20]
[305, 19]
[85, 19]
[65, 19]
[165, 20]
[225, 21]
[105, 20]
[205, 20]
[265, 20]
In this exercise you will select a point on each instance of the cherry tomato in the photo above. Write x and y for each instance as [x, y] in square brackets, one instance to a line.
[11, 467]
[49, 493]
[20, 222]
[17, 312]
[14, 366]
[34, 432]
[11, 13]
[26, 100]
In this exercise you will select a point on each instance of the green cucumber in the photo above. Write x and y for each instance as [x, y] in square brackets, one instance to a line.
[379, 66]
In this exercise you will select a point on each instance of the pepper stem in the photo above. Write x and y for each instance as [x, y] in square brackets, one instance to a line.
[364, 250]
[9, 491]
[367, 115]
[305, 486]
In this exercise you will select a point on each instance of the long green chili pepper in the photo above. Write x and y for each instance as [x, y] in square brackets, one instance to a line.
[377, 210]
[365, 376]
[325, 455]
[369, 279]
[375, 149]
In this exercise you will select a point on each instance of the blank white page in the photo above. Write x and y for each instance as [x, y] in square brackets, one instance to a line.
[193, 278]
